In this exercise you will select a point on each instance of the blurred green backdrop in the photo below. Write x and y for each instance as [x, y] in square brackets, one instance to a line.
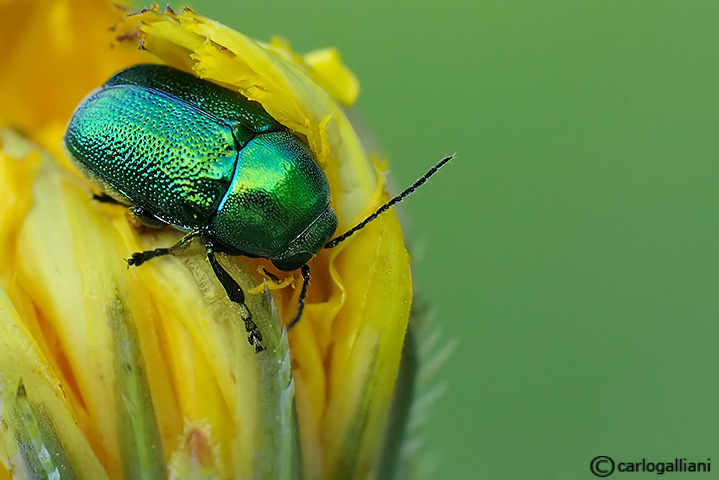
[571, 248]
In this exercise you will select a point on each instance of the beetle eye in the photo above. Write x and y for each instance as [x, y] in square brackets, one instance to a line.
[294, 262]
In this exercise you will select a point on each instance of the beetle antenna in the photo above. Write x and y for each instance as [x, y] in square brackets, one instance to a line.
[395, 200]
[305, 269]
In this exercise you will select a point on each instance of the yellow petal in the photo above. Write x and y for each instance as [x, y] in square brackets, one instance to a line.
[328, 71]
[53, 53]
[39, 430]
[95, 323]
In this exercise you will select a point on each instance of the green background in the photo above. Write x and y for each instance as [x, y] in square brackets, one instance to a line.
[571, 248]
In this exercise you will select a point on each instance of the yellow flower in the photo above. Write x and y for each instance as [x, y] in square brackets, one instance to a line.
[110, 372]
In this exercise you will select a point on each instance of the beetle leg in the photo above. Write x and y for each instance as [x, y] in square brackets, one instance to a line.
[105, 198]
[145, 218]
[269, 275]
[138, 258]
[305, 269]
[138, 213]
[235, 293]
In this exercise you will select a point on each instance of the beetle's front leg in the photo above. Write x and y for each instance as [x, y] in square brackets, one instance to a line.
[305, 269]
[235, 293]
[138, 258]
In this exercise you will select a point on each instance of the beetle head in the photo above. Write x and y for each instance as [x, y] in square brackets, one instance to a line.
[306, 245]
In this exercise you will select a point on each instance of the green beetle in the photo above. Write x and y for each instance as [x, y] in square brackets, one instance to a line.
[182, 151]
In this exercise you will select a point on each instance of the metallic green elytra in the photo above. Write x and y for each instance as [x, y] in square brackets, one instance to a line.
[186, 152]
[182, 151]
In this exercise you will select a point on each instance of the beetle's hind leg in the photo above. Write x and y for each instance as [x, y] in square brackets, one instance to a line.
[105, 198]
[235, 293]
[139, 214]
[144, 218]
[138, 258]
